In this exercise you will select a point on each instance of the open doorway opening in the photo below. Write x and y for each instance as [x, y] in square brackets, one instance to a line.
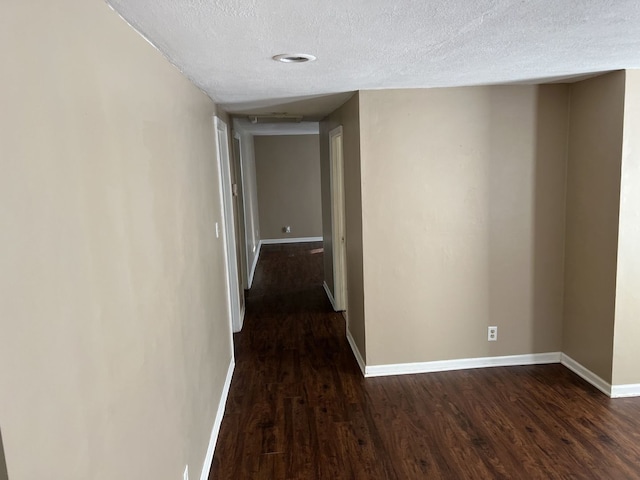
[228, 229]
[338, 219]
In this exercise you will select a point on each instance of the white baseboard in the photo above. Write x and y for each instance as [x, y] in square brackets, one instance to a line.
[242, 312]
[624, 391]
[586, 374]
[273, 241]
[356, 352]
[208, 460]
[328, 292]
[461, 364]
[254, 264]
[613, 391]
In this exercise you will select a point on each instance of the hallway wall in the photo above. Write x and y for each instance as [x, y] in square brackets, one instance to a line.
[463, 221]
[627, 307]
[115, 339]
[288, 182]
[348, 115]
[593, 200]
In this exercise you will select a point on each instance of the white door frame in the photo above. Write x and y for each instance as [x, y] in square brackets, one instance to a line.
[243, 182]
[228, 230]
[338, 227]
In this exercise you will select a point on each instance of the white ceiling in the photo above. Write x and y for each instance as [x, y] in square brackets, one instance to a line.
[225, 46]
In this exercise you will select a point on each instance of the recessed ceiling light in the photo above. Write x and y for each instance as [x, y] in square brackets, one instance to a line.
[294, 58]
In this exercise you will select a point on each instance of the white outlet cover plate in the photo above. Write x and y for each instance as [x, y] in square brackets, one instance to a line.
[492, 334]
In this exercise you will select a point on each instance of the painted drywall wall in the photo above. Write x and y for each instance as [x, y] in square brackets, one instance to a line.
[626, 355]
[288, 180]
[115, 336]
[348, 115]
[250, 200]
[463, 217]
[593, 199]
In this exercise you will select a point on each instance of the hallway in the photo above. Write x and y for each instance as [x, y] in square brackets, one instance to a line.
[299, 407]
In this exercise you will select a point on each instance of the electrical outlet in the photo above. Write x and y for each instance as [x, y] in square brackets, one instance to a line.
[492, 335]
[185, 475]
[286, 229]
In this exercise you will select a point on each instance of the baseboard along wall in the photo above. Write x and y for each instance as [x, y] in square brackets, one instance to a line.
[254, 264]
[215, 431]
[274, 241]
[461, 364]
[613, 391]
[329, 296]
[356, 353]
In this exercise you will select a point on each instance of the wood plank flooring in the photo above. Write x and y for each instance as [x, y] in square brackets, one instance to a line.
[299, 407]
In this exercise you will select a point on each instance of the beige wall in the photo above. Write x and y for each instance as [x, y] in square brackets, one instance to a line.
[593, 198]
[348, 115]
[463, 219]
[288, 182]
[626, 359]
[115, 339]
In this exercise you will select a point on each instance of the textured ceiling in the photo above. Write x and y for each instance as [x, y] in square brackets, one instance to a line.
[225, 46]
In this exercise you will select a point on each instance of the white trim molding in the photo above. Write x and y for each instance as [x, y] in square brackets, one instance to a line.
[254, 264]
[242, 312]
[227, 218]
[613, 391]
[461, 364]
[274, 241]
[339, 234]
[329, 296]
[586, 374]
[626, 390]
[356, 353]
[208, 460]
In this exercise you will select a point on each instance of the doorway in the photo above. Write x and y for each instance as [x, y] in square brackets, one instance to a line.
[338, 229]
[228, 229]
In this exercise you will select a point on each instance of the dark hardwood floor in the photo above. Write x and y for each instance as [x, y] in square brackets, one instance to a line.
[299, 407]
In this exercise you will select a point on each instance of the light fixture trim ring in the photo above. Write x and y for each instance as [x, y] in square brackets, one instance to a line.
[294, 58]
